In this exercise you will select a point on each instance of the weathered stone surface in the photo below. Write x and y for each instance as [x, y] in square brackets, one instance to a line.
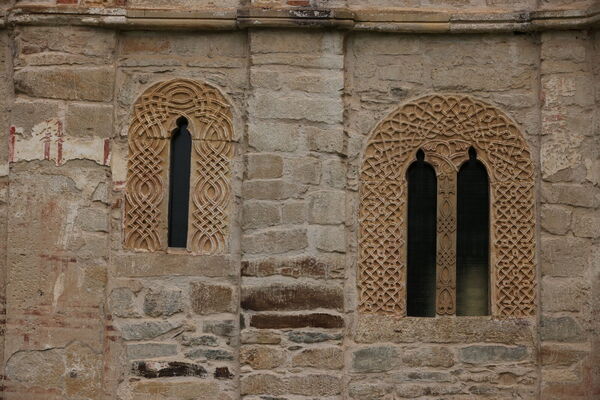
[162, 264]
[492, 354]
[374, 359]
[315, 385]
[43, 368]
[260, 214]
[122, 303]
[305, 170]
[428, 357]
[260, 337]
[273, 135]
[560, 356]
[330, 238]
[564, 294]
[571, 194]
[586, 223]
[204, 340]
[150, 350]
[327, 207]
[297, 267]
[312, 337]
[261, 357]
[264, 166]
[270, 189]
[274, 241]
[334, 173]
[94, 84]
[210, 354]
[380, 328]
[325, 140]
[561, 329]
[84, 366]
[209, 299]
[84, 119]
[566, 256]
[146, 330]
[293, 212]
[556, 219]
[27, 113]
[320, 358]
[162, 389]
[93, 219]
[282, 321]
[163, 302]
[291, 297]
[262, 384]
[48, 45]
[219, 328]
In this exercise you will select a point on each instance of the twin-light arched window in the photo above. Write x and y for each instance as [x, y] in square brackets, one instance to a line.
[446, 215]
[472, 238]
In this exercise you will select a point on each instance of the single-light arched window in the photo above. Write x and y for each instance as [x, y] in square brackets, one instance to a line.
[472, 238]
[178, 191]
[179, 184]
[421, 245]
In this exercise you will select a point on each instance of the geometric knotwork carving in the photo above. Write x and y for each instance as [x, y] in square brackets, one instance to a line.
[210, 124]
[445, 126]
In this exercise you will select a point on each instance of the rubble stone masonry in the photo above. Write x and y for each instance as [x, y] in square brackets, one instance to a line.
[292, 90]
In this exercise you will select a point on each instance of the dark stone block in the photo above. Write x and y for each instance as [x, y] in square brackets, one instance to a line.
[223, 373]
[292, 297]
[278, 321]
[164, 369]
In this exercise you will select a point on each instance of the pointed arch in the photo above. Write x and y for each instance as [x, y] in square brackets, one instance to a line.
[445, 127]
[210, 124]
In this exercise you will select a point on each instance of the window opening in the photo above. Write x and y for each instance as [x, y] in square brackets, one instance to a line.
[179, 184]
[421, 244]
[472, 241]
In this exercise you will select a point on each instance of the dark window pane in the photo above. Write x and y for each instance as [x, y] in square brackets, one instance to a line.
[421, 245]
[473, 239]
[179, 184]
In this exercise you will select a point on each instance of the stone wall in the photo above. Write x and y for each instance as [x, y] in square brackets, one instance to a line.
[275, 317]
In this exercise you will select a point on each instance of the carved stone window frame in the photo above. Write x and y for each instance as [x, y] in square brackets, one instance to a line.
[210, 122]
[444, 127]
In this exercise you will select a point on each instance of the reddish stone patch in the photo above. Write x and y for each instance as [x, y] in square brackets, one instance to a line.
[277, 321]
[291, 297]
[299, 3]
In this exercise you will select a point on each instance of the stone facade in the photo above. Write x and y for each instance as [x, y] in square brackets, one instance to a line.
[272, 309]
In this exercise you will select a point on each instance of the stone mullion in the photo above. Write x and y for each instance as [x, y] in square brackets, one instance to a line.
[446, 243]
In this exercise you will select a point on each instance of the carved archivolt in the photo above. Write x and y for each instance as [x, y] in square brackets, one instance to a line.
[445, 127]
[210, 123]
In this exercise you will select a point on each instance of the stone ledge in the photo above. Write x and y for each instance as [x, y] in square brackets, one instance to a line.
[383, 20]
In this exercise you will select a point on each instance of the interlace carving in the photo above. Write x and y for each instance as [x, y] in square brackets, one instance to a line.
[444, 127]
[210, 124]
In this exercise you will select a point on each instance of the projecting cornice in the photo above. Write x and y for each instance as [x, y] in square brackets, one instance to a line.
[378, 20]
